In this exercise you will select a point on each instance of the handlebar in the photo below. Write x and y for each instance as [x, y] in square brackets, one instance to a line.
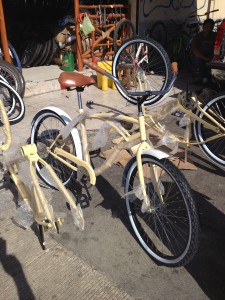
[208, 13]
[205, 14]
[98, 69]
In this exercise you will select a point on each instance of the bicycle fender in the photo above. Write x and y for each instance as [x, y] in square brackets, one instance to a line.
[152, 152]
[66, 118]
[156, 153]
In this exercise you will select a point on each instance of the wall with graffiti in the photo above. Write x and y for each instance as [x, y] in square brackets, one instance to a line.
[167, 17]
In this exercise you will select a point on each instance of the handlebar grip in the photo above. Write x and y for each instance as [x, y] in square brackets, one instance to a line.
[93, 66]
[174, 67]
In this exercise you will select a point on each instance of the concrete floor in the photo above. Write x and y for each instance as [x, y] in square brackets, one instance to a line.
[107, 244]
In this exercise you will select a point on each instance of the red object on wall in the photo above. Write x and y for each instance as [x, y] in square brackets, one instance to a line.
[219, 41]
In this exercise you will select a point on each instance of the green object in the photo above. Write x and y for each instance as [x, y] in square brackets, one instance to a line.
[87, 26]
[68, 61]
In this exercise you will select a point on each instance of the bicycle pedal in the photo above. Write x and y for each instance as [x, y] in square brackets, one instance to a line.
[126, 125]
[82, 175]
[59, 221]
[95, 153]
[84, 178]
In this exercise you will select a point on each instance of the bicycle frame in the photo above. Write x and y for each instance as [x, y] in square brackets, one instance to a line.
[137, 142]
[217, 128]
[40, 208]
[212, 124]
[138, 139]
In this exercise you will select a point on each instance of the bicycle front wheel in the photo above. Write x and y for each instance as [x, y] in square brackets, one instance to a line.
[214, 149]
[169, 230]
[142, 65]
[46, 127]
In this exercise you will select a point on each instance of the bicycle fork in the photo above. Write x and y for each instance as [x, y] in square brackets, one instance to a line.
[144, 145]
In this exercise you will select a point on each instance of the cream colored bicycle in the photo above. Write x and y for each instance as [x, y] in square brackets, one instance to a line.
[208, 118]
[34, 201]
[159, 200]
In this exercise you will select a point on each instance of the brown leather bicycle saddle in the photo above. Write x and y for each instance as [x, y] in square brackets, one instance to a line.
[72, 79]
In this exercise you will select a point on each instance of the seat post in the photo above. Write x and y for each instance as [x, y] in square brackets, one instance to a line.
[79, 98]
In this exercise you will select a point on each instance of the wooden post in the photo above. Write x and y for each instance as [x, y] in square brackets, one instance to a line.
[77, 28]
[4, 35]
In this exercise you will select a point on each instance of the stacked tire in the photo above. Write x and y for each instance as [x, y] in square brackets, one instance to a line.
[38, 52]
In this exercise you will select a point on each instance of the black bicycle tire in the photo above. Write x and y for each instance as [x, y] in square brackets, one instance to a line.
[164, 214]
[46, 54]
[14, 96]
[157, 53]
[52, 51]
[40, 55]
[36, 123]
[14, 57]
[217, 104]
[30, 53]
[153, 36]
[118, 28]
[16, 77]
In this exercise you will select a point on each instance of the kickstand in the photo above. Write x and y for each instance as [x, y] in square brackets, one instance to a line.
[84, 181]
[42, 236]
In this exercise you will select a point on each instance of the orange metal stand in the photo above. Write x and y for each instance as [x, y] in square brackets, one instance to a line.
[96, 42]
[4, 34]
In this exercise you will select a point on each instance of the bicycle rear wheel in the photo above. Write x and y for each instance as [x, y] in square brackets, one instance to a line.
[45, 128]
[142, 65]
[169, 231]
[215, 149]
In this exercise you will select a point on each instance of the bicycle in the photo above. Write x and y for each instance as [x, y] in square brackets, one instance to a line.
[209, 129]
[34, 201]
[153, 185]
